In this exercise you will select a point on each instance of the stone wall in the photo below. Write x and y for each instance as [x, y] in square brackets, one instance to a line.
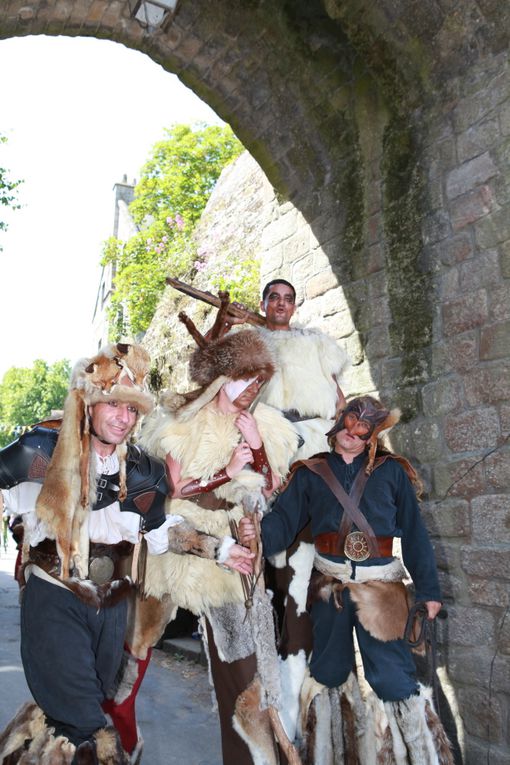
[384, 129]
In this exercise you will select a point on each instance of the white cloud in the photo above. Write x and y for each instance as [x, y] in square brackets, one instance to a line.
[79, 114]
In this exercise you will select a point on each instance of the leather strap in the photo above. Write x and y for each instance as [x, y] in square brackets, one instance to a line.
[261, 465]
[352, 514]
[202, 486]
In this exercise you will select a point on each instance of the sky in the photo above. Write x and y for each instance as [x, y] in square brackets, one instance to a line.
[78, 113]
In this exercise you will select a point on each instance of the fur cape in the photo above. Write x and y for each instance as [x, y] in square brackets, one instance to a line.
[202, 440]
[306, 361]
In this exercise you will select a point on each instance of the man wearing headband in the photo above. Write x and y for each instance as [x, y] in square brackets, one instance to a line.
[358, 498]
[88, 497]
[221, 448]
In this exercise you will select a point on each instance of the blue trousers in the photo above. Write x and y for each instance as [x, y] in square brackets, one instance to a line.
[389, 666]
[71, 653]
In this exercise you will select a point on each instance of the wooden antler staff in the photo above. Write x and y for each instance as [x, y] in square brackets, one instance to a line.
[251, 317]
[251, 510]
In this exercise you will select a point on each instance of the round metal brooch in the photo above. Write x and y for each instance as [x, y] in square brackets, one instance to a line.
[356, 546]
[101, 569]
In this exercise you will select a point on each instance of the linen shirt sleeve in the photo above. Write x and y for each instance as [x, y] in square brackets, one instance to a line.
[417, 551]
[289, 514]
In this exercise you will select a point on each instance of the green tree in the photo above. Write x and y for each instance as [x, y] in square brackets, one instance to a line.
[8, 191]
[174, 187]
[28, 395]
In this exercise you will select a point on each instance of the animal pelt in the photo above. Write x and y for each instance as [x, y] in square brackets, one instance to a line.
[117, 372]
[306, 360]
[381, 599]
[417, 733]
[238, 355]
[333, 724]
[192, 582]
[27, 740]
[202, 441]
[147, 619]
[253, 725]
[232, 630]
[382, 608]
[313, 432]
[60, 495]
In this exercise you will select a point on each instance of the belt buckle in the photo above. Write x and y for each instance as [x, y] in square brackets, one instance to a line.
[356, 547]
[101, 569]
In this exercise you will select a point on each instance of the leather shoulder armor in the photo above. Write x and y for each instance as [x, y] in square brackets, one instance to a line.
[27, 458]
[147, 488]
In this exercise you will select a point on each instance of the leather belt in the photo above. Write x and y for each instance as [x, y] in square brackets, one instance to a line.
[104, 560]
[329, 544]
[209, 501]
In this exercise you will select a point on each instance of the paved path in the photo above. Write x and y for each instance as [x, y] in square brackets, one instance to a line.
[174, 704]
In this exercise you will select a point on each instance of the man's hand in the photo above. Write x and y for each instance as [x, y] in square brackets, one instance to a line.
[247, 531]
[433, 608]
[237, 319]
[241, 456]
[240, 559]
[247, 425]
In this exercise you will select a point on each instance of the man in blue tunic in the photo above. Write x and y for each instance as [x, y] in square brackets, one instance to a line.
[358, 498]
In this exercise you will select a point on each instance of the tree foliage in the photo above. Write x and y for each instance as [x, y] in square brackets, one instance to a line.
[28, 395]
[8, 191]
[175, 184]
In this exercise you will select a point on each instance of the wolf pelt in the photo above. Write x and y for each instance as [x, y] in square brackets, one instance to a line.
[202, 440]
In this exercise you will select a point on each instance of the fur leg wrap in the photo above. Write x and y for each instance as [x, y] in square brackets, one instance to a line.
[27, 740]
[122, 708]
[333, 724]
[417, 732]
[253, 725]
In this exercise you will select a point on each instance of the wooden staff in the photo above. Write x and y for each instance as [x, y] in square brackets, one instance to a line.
[285, 743]
[251, 317]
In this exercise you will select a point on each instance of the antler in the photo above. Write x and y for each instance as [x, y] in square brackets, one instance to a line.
[195, 334]
[218, 327]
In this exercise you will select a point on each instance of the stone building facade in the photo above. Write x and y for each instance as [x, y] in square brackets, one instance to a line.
[385, 130]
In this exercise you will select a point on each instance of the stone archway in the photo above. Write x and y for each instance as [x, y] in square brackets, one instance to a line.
[385, 127]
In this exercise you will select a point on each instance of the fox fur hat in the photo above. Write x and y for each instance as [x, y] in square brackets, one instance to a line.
[118, 372]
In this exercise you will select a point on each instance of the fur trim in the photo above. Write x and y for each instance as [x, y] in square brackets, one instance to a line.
[333, 723]
[28, 740]
[306, 361]
[389, 572]
[418, 735]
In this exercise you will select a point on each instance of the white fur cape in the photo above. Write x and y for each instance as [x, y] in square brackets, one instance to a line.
[203, 444]
[306, 360]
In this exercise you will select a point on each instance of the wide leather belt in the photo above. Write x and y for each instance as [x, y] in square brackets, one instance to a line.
[210, 501]
[105, 561]
[355, 546]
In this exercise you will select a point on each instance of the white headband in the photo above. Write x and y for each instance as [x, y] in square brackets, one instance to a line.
[234, 388]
